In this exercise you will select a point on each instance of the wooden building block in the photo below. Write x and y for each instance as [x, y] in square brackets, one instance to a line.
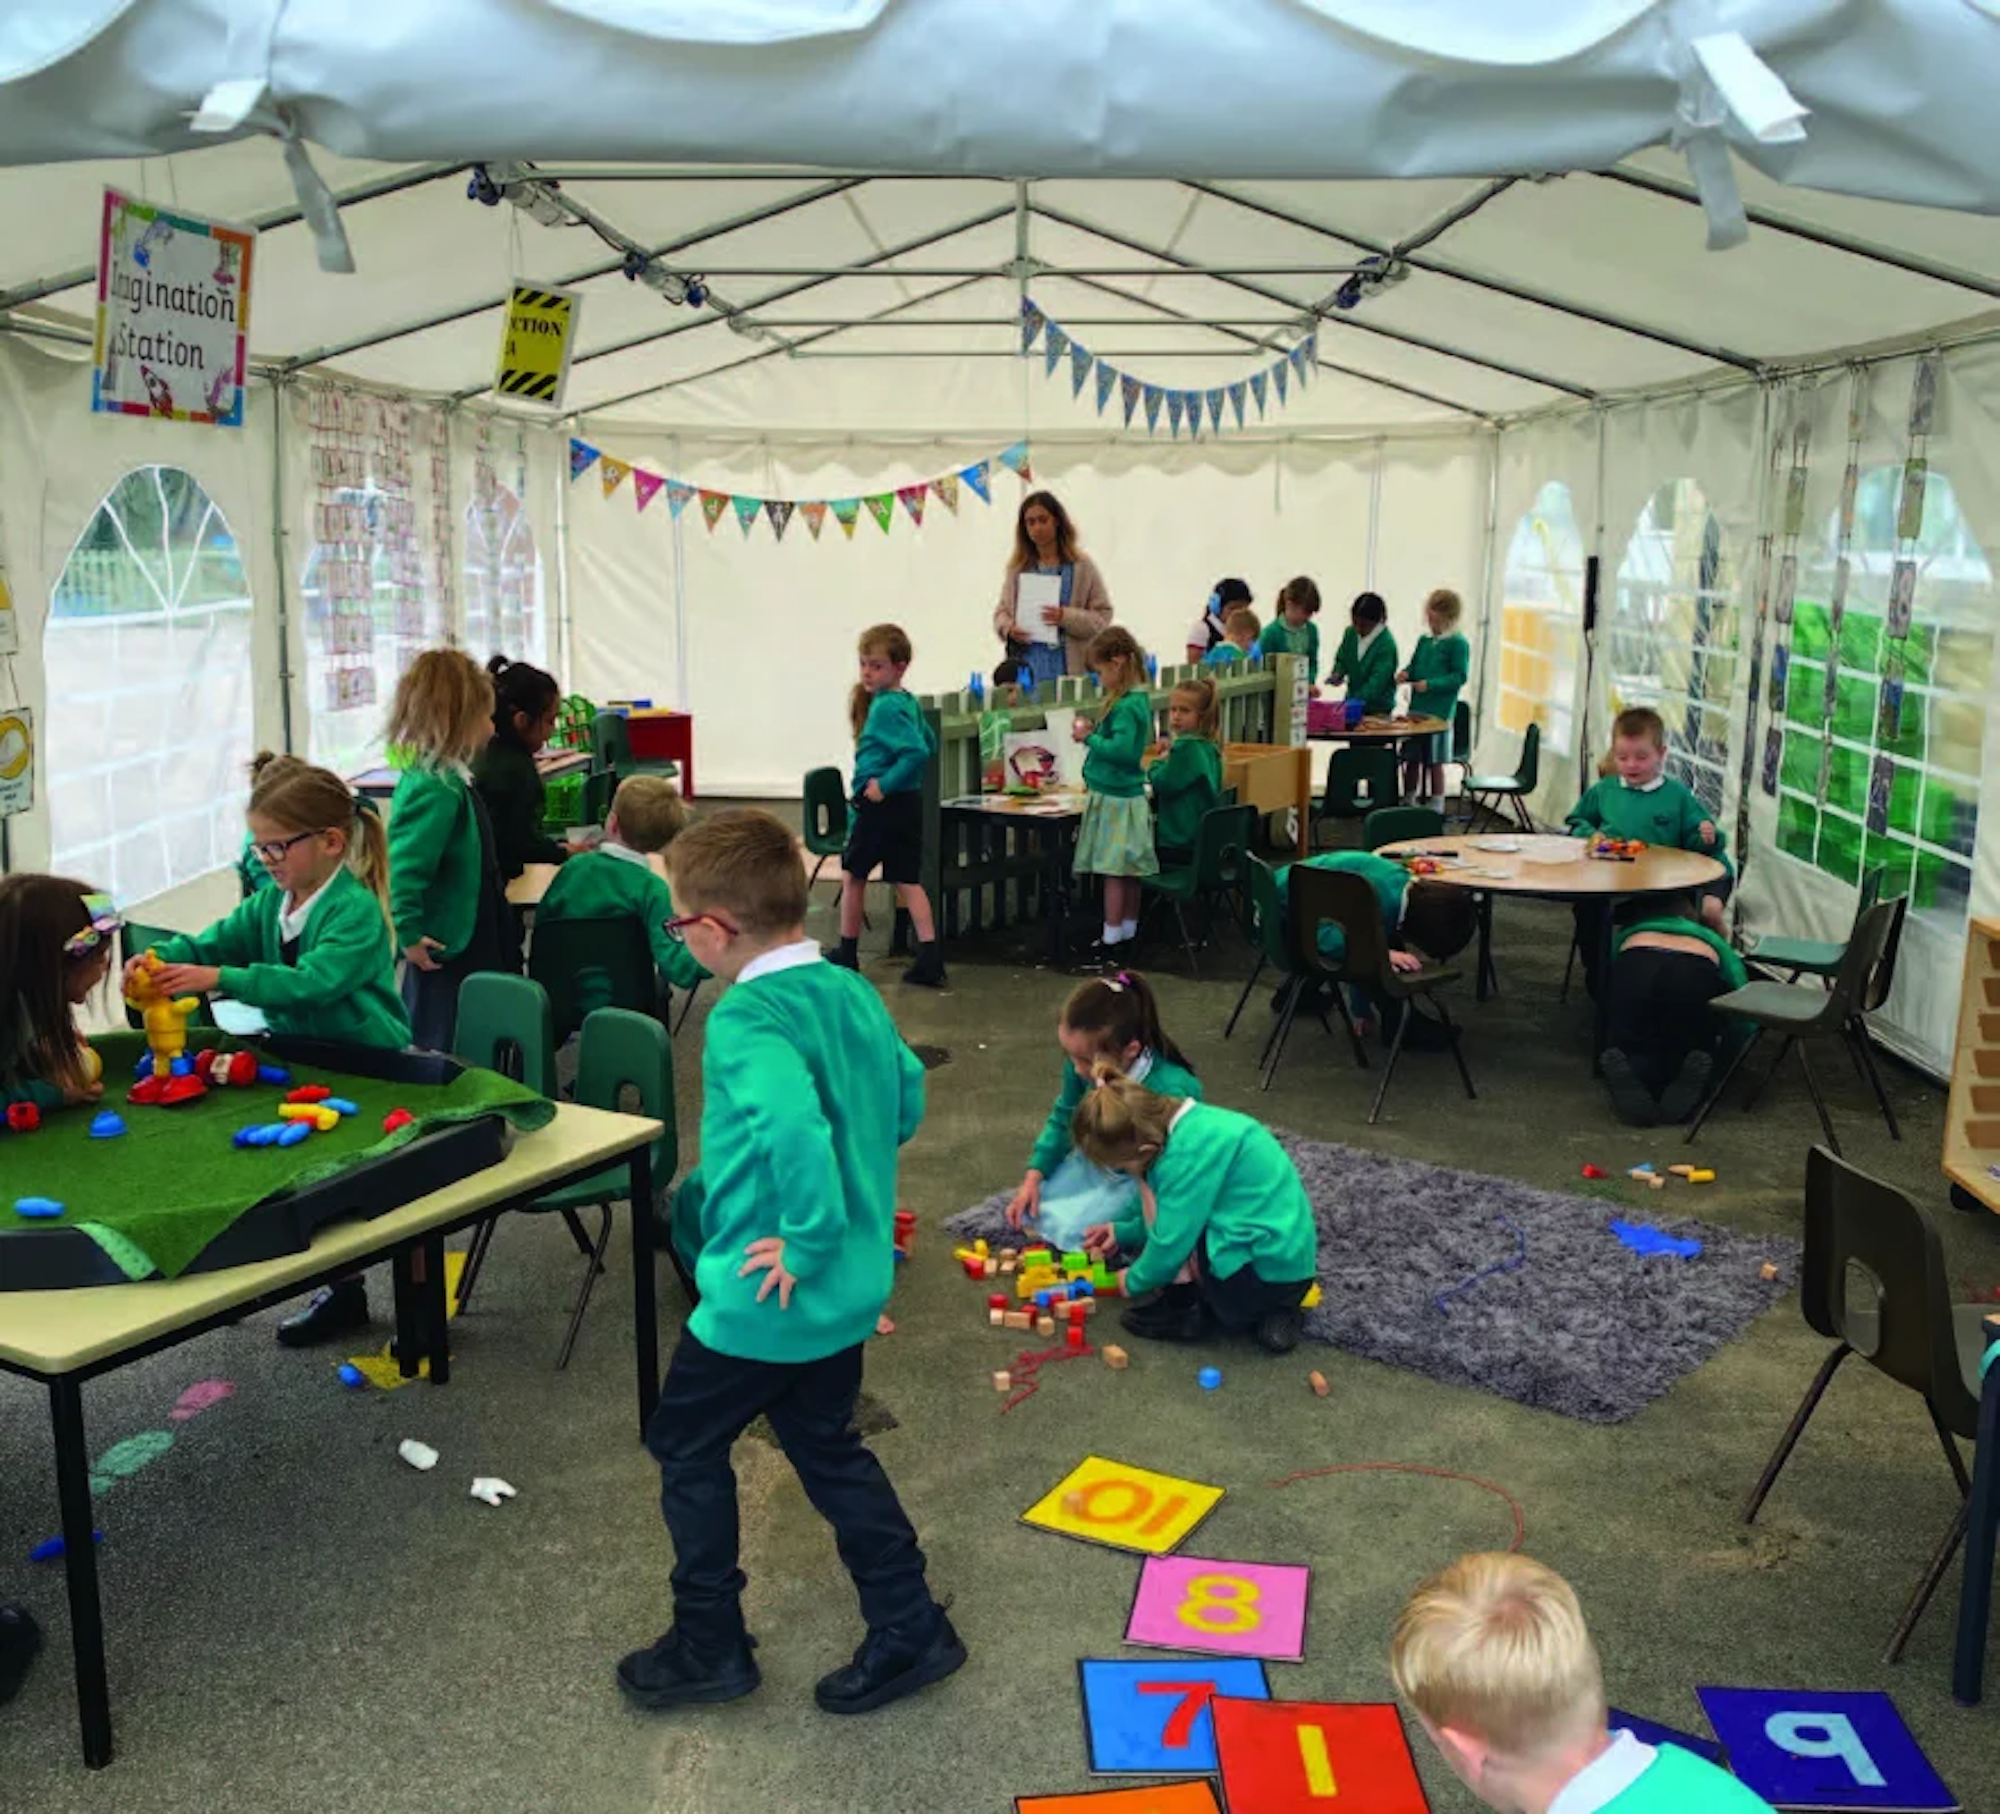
[1003, 1382]
[1318, 1383]
[1768, 1273]
[1115, 1357]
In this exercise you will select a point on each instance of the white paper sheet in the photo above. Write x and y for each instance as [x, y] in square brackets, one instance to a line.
[1033, 594]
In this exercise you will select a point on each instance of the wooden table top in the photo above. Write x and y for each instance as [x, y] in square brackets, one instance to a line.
[1381, 730]
[1028, 806]
[527, 888]
[1551, 864]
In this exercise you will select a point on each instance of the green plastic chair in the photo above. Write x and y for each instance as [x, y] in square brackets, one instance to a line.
[619, 1051]
[825, 816]
[611, 750]
[135, 937]
[1817, 957]
[1359, 782]
[1274, 947]
[1397, 824]
[1486, 792]
[598, 787]
[589, 964]
[1221, 843]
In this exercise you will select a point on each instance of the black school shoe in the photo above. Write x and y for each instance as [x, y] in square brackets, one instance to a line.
[676, 1672]
[20, 1643]
[892, 1663]
[1176, 1315]
[1631, 1101]
[1278, 1331]
[331, 1312]
[1683, 1095]
[928, 971]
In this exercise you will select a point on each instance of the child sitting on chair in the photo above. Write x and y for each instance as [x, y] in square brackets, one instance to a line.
[1493, 1655]
[616, 882]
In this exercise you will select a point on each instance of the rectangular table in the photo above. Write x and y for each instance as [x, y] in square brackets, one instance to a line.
[1048, 821]
[63, 1338]
[380, 783]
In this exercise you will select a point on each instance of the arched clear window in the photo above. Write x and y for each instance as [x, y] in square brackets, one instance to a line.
[151, 723]
[503, 577]
[1541, 620]
[1882, 765]
[1672, 634]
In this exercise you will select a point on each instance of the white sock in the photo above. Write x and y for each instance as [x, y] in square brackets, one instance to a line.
[1128, 929]
[1113, 934]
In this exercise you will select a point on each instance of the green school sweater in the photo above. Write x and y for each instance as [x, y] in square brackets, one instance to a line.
[1280, 638]
[1187, 782]
[604, 885]
[1165, 1078]
[343, 985]
[1668, 815]
[511, 785]
[1120, 737]
[1370, 678]
[1385, 875]
[1678, 1782]
[1224, 1176]
[809, 1092]
[435, 859]
[1442, 663]
[894, 745]
[1734, 971]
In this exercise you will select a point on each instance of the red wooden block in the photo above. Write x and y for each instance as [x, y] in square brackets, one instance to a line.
[1076, 1337]
[309, 1092]
[23, 1117]
[396, 1118]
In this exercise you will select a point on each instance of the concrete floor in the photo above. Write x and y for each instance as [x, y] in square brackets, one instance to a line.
[298, 1622]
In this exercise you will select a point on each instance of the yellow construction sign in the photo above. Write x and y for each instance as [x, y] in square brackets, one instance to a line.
[536, 343]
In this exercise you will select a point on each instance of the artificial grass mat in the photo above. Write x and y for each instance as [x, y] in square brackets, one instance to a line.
[157, 1195]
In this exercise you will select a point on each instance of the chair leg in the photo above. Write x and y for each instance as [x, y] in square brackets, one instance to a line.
[1793, 1431]
[1187, 942]
[475, 1260]
[1757, 1089]
[1245, 996]
[574, 1223]
[1933, 1576]
[1858, 1039]
[1522, 817]
[687, 1008]
[1274, 1049]
[1389, 1070]
[1457, 1036]
[1723, 1083]
[1950, 1447]
[1353, 1032]
[1819, 1102]
[1569, 969]
[812, 881]
[590, 1277]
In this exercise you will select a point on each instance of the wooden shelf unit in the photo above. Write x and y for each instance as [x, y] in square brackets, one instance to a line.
[1972, 1122]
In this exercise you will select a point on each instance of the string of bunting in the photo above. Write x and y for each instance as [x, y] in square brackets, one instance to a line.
[778, 512]
[1195, 408]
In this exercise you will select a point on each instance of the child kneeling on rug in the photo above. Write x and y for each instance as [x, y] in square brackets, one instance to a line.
[1222, 1229]
[1493, 1655]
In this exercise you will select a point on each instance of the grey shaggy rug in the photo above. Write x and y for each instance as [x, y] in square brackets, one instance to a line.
[1484, 1282]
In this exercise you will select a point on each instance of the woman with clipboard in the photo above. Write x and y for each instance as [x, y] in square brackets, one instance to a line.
[1053, 600]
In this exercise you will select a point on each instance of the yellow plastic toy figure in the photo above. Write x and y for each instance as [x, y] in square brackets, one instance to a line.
[166, 1017]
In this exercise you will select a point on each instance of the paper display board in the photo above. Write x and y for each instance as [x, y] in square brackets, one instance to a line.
[173, 314]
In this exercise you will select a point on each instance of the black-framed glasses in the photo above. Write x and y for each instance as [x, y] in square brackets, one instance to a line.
[275, 851]
[676, 929]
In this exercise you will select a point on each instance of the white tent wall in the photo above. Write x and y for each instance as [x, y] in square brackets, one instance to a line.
[770, 627]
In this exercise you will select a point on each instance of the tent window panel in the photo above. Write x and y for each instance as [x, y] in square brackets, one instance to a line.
[151, 720]
[503, 576]
[1541, 620]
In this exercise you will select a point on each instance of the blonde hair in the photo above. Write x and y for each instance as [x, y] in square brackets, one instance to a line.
[443, 706]
[649, 811]
[1119, 1120]
[1207, 706]
[1240, 619]
[743, 863]
[1447, 602]
[1112, 645]
[1300, 591]
[891, 643]
[298, 796]
[1495, 1645]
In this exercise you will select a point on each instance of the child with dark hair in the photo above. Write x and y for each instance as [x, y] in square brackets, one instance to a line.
[1212, 626]
[525, 703]
[55, 949]
[1365, 663]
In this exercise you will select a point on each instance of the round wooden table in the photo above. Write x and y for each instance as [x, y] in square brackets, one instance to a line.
[1382, 730]
[1554, 867]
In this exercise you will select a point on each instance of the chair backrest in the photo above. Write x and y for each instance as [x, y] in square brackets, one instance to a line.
[1221, 842]
[825, 796]
[1872, 879]
[1393, 824]
[610, 742]
[598, 788]
[1883, 977]
[1351, 903]
[621, 1051]
[1267, 914]
[135, 938]
[1530, 771]
[589, 964]
[1347, 772]
[1854, 981]
[1461, 733]
[1869, 1248]
[504, 1025]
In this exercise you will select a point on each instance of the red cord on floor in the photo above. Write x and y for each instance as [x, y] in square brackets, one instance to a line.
[1031, 1361]
[1412, 1467]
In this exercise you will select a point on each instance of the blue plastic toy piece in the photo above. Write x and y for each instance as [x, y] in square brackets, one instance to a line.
[350, 1376]
[1644, 1240]
[106, 1124]
[295, 1132]
[1082, 1288]
[267, 1134]
[1210, 1378]
[181, 1067]
[50, 1548]
[340, 1106]
[144, 1068]
[273, 1073]
[38, 1208]
[243, 1137]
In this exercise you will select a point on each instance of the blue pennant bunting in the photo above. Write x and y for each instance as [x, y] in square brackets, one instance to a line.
[1080, 363]
[582, 457]
[975, 479]
[1298, 358]
[1130, 388]
[1194, 412]
[1032, 320]
[1154, 396]
[1053, 348]
[1257, 391]
[1107, 380]
[1176, 409]
[1014, 458]
[1215, 410]
[1278, 373]
[1236, 391]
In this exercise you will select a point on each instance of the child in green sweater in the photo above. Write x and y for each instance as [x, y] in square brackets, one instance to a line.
[1115, 840]
[1365, 662]
[1493, 1656]
[1222, 1229]
[809, 1092]
[1111, 1020]
[1436, 676]
[1293, 632]
[55, 951]
[892, 745]
[1186, 781]
[615, 881]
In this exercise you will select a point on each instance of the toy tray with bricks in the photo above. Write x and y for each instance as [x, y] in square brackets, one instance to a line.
[1972, 1121]
[39, 1257]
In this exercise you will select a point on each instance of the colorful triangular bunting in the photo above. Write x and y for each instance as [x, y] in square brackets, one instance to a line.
[947, 489]
[581, 454]
[845, 510]
[1053, 348]
[1080, 363]
[815, 516]
[1176, 410]
[645, 486]
[1215, 410]
[613, 473]
[1129, 387]
[713, 504]
[748, 510]
[1194, 412]
[1015, 458]
[1298, 358]
[1107, 379]
[1278, 373]
[1032, 319]
[677, 497]
[779, 510]
[911, 497]
[975, 476]
[882, 507]
[1257, 391]
[1154, 397]
[1236, 400]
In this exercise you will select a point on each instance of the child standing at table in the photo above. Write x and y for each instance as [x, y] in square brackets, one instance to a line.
[1222, 1230]
[1211, 626]
[1111, 1020]
[1187, 780]
[1115, 840]
[1365, 662]
[892, 745]
[1436, 675]
[446, 899]
[1294, 632]
[525, 703]
[55, 951]
[312, 952]
[1240, 631]
[809, 1091]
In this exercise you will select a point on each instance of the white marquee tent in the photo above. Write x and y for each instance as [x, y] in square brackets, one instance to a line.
[1494, 222]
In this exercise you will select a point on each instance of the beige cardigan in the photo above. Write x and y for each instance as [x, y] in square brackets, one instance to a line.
[1088, 611]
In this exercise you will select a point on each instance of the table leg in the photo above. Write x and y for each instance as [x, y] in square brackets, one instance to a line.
[1598, 1019]
[645, 1296]
[86, 1612]
[1975, 1594]
[409, 1335]
[437, 1332]
[1485, 982]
